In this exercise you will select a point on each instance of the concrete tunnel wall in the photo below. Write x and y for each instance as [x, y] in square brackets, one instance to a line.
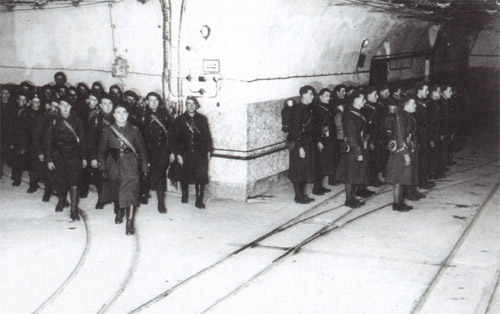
[265, 50]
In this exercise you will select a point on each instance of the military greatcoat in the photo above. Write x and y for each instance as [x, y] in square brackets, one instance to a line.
[193, 141]
[158, 135]
[65, 150]
[123, 165]
[301, 135]
[324, 133]
[402, 129]
[422, 118]
[95, 128]
[350, 170]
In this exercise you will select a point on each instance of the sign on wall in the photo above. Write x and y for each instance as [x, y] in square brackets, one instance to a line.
[211, 65]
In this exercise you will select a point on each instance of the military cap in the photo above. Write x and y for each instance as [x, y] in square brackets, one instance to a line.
[131, 94]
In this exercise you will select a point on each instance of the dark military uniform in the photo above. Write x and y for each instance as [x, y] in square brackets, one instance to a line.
[193, 141]
[302, 170]
[301, 133]
[66, 150]
[324, 133]
[434, 136]
[35, 167]
[8, 113]
[89, 174]
[404, 136]
[422, 118]
[95, 129]
[123, 166]
[350, 170]
[374, 114]
[337, 114]
[137, 116]
[159, 136]
[41, 124]
[19, 146]
[448, 125]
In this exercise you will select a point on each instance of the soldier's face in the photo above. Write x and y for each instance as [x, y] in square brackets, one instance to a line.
[397, 94]
[35, 104]
[115, 92]
[106, 106]
[62, 91]
[359, 102]
[436, 94]
[97, 89]
[410, 106]
[448, 92]
[384, 94]
[341, 93]
[308, 97]
[72, 95]
[120, 115]
[325, 98]
[93, 102]
[5, 95]
[191, 106]
[21, 101]
[64, 108]
[153, 103]
[60, 79]
[48, 93]
[82, 89]
[130, 100]
[422, 93]
[372, 97]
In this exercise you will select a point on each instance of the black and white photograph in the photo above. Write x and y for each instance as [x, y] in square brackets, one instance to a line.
[250, 157]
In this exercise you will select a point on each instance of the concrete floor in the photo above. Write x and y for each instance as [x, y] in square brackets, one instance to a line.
[272, 256]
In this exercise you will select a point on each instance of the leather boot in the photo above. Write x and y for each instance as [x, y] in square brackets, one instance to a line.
[318, 189]
[118, 213]
[298, 195]
[33, 187]
[350, 198]
[129, 227]
[185, 192]
[399, 204]
[73, 195]
[303, 192]
[46, 195]
[160, 193]
[200, 189]
[362, 191]
[60, 204]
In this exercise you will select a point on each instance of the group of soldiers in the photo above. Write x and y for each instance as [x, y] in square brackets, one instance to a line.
[69, 138]
[370, 136]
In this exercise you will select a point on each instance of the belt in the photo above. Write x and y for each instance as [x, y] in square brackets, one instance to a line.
[118, 153]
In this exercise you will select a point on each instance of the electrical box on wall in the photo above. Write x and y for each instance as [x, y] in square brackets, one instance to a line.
[119, 68]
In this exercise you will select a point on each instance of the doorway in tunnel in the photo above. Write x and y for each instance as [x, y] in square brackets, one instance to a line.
[378, 72]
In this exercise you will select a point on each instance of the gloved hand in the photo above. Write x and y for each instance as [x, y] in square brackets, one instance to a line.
[104, 175]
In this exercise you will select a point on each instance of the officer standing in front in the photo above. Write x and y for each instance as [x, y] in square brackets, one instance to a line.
[122, 158]
[65, 150]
